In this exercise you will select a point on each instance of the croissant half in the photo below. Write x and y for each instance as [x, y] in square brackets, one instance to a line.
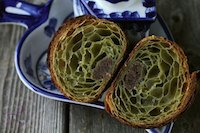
[154, 85]
[83, 56]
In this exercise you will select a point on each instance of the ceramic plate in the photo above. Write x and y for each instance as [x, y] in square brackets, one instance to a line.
[31, 52]
[40, 72]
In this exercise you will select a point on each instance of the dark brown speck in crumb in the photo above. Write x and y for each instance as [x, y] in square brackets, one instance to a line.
[102, 68]
[133, 75]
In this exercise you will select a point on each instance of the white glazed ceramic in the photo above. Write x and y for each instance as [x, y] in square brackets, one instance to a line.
[120, 10]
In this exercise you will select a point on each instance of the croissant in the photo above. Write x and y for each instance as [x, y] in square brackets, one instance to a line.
[83, 56]
[154, 85]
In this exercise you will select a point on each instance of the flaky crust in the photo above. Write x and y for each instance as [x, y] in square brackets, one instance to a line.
[190, 88]
[62, 32]
[67, 29]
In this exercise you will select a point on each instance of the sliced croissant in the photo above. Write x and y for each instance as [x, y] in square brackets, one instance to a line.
[154, 85]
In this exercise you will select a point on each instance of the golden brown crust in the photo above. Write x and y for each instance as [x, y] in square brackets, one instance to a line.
[190, 88]
[62, 31]
[65, 30]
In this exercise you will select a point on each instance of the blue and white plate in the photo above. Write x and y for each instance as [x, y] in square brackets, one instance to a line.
[135, 10]
[41, 22]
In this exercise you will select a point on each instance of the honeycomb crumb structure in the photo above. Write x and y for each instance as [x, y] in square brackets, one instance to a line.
[86, 55]
[151, 85]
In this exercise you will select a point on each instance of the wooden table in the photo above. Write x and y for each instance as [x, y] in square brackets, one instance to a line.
[22, 111]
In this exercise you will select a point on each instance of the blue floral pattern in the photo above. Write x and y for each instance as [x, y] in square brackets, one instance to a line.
[149, 3]
[49, 30]
[116, 1]
[28, 65]
[90, 7]
[44, 74]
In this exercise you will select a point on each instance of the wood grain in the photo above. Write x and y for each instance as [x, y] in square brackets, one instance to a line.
[21, 110]
[91, 120]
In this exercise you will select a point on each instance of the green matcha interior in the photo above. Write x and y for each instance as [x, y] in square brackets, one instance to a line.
[152, 85]
[87, 57]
